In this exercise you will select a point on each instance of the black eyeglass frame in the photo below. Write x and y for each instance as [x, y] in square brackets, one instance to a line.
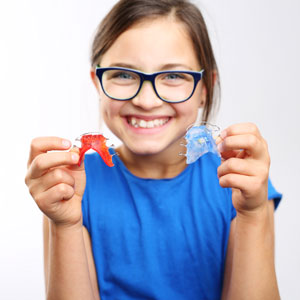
[197, 76]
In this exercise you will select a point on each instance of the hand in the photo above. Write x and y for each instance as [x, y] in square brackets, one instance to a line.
[55, 181]
[245, 166]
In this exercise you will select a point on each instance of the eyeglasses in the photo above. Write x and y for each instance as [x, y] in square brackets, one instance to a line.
[170, 86]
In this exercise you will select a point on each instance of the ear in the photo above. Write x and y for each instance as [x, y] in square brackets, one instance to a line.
[95, 79]
[203, 95]
[214, 77]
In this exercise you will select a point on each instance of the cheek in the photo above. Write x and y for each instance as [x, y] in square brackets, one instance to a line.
[189, 108]
[109, 108]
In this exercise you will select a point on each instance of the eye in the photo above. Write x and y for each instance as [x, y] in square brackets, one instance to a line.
[122, 75]
[174, 76]
[174, 79]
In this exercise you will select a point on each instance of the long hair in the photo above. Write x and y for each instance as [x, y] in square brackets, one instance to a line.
[126, 13]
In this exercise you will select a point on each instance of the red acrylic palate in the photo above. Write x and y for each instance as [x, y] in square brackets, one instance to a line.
[97, 142]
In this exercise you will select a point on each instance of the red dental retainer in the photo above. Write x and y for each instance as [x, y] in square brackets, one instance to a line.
[96, 142]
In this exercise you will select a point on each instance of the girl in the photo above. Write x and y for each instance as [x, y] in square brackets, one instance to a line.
[152, 227]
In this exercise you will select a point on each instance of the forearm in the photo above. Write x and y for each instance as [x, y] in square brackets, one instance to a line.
[68, 271]
[253, 271]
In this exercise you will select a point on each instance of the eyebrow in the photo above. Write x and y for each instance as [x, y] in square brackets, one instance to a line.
[160, 68]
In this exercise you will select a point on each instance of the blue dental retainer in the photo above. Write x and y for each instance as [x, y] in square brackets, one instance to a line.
[201, 140]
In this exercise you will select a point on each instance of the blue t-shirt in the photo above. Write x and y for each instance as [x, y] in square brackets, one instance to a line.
[158, 238]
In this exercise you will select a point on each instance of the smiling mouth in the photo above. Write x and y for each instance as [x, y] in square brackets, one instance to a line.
[141, 123]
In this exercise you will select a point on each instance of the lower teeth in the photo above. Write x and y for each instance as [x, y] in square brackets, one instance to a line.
[145, 127]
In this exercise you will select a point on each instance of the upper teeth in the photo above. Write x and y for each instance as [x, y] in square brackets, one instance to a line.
[147, 124]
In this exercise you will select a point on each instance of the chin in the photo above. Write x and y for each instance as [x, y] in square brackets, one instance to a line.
[152, 148]
[145, 151]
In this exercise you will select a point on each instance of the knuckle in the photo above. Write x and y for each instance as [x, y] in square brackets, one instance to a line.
[31, 184]
[252, 141]
[31, 191]
[27, 179]
[256, 185]
[68, 156]
[34, 144]
[265, 143]
[39, 201]
[219, 169]
[230, 164]
[37, 162]
[230, 130]
[226, 143]
[229, 179]
[65, 191]
[62, 188]
[226, 180]
[265, 172]
[58, 175]
[268, 161]
[252, 128]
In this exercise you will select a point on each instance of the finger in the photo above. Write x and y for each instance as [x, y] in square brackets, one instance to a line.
[218, 140]
[46, 161]
[249, 142]
[236, 181]
[240, 129]
[238, 166]
[54, 195]
[43, 144]
[50, 179]
[225, 154]
[76, 150]
[249, 185]
[228, 154]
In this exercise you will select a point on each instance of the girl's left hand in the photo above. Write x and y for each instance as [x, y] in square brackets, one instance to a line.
[245, 166]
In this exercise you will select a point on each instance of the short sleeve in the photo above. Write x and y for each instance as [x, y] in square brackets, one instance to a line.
[85, 198]
[233, 211]
[273, 194]
[85, 218]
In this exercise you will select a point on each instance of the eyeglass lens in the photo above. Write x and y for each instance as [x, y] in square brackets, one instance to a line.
[172, 87]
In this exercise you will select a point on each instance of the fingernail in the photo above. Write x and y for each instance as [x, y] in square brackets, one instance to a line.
[75, 157]
[218, 140]
[220, 147]
[223, 134]
[66, 143]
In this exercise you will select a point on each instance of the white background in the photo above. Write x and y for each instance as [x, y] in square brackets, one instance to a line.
[45, 90]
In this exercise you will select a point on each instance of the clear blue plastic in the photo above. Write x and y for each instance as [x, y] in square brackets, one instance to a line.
[200, 140]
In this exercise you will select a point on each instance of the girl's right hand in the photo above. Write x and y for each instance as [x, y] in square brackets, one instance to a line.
[55, 181]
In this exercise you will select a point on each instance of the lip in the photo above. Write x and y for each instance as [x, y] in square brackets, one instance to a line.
[147, 118]
[153, 130]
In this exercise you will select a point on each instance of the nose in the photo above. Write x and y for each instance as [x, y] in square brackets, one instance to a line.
[147, 98]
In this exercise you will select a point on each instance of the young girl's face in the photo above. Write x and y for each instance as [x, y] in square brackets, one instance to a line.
[152, 46]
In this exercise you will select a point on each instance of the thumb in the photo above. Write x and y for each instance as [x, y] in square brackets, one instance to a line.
[77, 167]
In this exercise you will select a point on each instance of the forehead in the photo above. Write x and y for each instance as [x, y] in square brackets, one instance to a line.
[152, 43]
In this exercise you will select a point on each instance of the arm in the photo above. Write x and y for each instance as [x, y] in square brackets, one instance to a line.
[69, 265]
[57, 185]
[250, 270]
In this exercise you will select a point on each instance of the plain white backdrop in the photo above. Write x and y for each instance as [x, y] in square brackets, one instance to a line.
[45, 89]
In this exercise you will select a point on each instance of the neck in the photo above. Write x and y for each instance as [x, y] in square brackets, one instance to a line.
[156, 166]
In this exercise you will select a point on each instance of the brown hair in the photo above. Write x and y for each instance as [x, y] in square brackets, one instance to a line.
[126, 13]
